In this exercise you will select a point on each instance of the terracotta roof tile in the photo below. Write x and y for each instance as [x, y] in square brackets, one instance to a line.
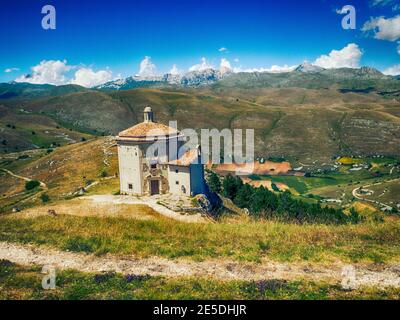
[186, 159]
[147, 129]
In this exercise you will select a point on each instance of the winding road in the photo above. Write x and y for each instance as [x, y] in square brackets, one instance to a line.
[357, 196]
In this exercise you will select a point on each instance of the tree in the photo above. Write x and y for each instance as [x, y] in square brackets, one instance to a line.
[244, 195]
[274, 187]
[263, 200]
[32, 184]
[214, 182]
[231, 186]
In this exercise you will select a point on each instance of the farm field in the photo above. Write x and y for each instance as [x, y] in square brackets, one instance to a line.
[381, 173]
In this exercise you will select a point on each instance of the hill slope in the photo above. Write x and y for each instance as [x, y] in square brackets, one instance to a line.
[28, 90]
[290, 122]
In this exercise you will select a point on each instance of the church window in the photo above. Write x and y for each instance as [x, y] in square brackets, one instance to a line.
[130, 186]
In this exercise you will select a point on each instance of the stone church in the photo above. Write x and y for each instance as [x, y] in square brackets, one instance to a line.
[149, 173]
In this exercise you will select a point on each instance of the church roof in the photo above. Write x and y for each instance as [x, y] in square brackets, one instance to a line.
[148, 130]
[187, 158]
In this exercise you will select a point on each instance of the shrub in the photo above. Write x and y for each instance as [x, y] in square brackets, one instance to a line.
[32, 184]
[44, 197]
[103, 173]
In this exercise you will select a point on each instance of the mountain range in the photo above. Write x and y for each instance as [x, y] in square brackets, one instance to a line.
[299, 77]
[306, 75]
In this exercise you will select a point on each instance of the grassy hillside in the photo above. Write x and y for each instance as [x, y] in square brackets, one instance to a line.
[21, 130]
[291, 122]
[239, 240]
[28, 90]
[64, 171]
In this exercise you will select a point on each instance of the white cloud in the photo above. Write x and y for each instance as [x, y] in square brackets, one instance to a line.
[57, 72]
[204, 65]
[147, 68]
[8, 70]
[380, 3]
[174, 70]
[348, 57]
[392, 71]
[51, 72]
[279, 69]
[384, 29]
[272, 69]
[225, 64]
[236, 60]
[86, 77]
[223, 49]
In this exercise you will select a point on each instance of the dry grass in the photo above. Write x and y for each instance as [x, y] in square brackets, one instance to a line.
[241, 240]
[86, 208]
[64, 171]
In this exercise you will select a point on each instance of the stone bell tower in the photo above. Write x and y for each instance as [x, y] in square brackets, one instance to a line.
[148, 115]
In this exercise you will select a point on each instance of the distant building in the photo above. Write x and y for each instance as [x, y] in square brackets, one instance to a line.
[149, 173]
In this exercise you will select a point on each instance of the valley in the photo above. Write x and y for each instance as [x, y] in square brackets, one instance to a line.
[327, 143]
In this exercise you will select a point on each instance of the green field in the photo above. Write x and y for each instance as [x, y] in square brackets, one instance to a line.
[339, 184]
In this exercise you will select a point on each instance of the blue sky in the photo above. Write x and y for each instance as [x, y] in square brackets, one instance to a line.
[115, 36]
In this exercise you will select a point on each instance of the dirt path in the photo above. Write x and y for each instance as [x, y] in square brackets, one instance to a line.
[357, 196]
[149, 201]
[226, 270]
[42, 184]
